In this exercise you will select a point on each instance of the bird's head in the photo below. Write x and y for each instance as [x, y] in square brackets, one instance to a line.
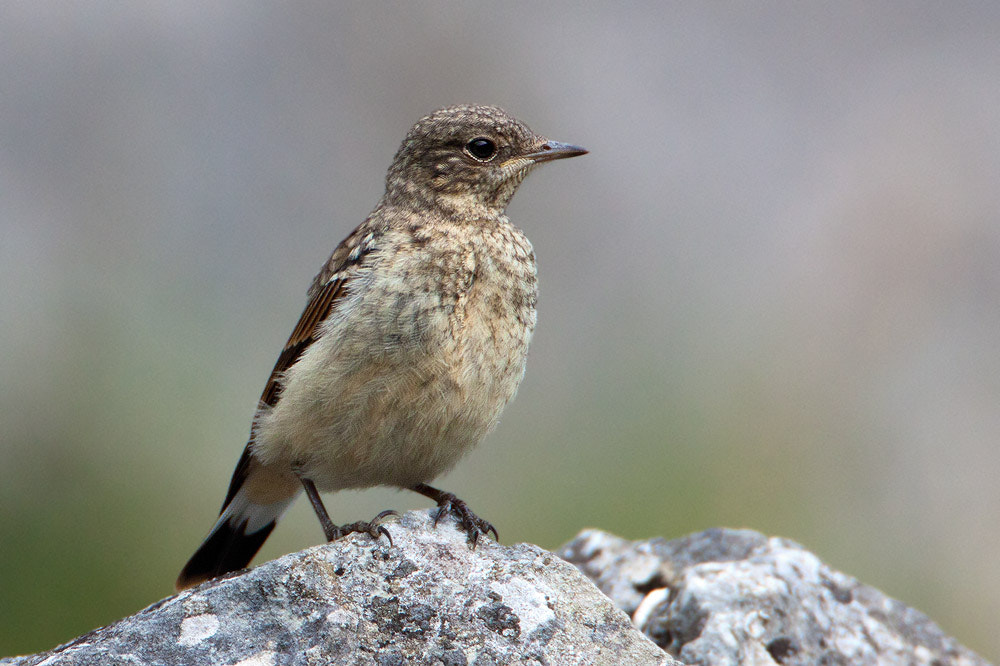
[468, 158]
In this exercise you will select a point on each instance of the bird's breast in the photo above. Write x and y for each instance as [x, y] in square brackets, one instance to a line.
[414, 365]
[494, 315]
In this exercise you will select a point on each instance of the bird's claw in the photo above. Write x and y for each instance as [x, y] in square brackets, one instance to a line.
[372, 527]
[468, 521]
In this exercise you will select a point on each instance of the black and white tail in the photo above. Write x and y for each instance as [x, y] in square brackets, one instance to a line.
[242, 528]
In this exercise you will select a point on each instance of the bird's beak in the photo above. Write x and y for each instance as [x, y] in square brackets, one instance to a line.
[554, 150]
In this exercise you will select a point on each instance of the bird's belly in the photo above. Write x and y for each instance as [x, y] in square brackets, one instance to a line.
[393, 415]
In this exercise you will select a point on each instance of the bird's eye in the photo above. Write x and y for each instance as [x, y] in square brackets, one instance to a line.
[482, 148]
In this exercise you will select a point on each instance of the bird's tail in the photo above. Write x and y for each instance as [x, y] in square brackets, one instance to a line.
[246, 521]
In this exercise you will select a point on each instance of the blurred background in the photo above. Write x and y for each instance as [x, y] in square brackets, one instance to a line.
[770, 296]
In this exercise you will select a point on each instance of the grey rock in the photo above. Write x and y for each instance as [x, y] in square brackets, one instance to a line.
[717, 597]
[726, 597]
[429, 599]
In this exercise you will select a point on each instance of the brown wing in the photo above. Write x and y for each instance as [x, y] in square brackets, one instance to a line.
[305, 334]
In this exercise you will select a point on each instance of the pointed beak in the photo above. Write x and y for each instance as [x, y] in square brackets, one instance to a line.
[554, 150]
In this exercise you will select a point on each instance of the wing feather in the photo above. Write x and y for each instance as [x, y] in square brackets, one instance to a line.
[328, 288]
[304, 334]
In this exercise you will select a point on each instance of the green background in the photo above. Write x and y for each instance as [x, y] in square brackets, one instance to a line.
[769, 296]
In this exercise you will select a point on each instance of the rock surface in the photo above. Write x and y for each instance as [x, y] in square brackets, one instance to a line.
[715, 598]
[727, 597]
[429, 599]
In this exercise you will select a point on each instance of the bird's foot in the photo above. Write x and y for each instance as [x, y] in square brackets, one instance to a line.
[373, 528]
[469, 522]
[333, 532]
[447, 503]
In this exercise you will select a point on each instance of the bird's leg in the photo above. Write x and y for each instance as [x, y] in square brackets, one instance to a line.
[330, 530]
[472, 524]
[372, 527]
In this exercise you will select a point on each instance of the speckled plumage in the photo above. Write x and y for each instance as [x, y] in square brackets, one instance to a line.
[414, 339]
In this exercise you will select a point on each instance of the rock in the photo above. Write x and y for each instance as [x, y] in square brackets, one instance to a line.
[725, 597]
[430, 599]
[716, 598]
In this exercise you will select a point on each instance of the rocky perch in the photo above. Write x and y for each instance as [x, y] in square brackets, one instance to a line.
[715, 598]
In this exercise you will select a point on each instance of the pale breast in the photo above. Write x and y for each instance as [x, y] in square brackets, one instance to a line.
[415, 364]
[494, 318]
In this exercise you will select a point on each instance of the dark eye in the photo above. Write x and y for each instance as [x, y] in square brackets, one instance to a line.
[481, 148]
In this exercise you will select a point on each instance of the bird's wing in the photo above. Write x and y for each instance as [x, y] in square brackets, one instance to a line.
[304, 334]
[326, 290]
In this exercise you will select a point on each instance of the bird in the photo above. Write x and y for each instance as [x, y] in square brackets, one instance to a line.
[413, 340]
